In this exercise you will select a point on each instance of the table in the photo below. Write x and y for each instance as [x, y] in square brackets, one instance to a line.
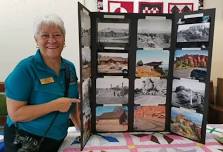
[145, 142]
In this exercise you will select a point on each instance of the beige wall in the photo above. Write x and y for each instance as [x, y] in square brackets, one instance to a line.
[217, 56]
[16, 28]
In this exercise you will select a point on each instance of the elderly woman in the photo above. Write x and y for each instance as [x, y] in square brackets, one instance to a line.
[38, 108]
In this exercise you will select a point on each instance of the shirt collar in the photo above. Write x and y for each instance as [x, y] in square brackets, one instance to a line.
[41, 64]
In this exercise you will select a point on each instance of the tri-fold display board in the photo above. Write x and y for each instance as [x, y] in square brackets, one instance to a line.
[144, 72]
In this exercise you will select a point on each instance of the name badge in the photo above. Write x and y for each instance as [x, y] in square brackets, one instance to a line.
[47, 80]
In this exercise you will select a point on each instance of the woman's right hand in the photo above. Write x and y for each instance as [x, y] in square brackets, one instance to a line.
[63, 104]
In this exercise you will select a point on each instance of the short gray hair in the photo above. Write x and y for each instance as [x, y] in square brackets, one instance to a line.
[50, 19]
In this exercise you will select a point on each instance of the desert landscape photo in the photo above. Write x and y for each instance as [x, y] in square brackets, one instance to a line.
[152, 63]
[187, 61]
[111, 118]
[112, 90]
[154, 32]
[85, 28]
[149, 118]
[86, 63]
[113, 32]
[185, 123]
[150, 91]
[113, 63]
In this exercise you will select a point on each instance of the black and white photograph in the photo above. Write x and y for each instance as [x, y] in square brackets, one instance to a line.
[85, 28]
[86, 109]
[113, 32]
[86, 86]
[112, 90]
[113, 63]
[150, 91]
[152, 63]
[198, 32]
[188, 94]
[86, 62]
[191, 64]
[154, 32]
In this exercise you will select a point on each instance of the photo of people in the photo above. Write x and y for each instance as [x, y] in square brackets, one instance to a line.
[149, 118]
[115, 116]
[185, 123]
[154, 32]
[150, 91]
[188, 94]
[112, 90]
[152, 63]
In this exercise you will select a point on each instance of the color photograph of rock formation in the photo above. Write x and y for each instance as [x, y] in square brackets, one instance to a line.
[186, 123]
[191, 64]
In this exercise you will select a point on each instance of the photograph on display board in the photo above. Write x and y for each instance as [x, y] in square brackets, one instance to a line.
[112, 90]
[188, 94]
[113, 32]
[115, 116]
[85, 28]
[152, 63]
[86, 62]
[149, 118]
[186, 123]
[198, 32]
[154, 32]
[150, 91]
[86, 109]
[191, 64]
[193, 32]
[113, 63]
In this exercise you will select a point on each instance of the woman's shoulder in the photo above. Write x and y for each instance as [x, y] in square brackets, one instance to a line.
[26, 62]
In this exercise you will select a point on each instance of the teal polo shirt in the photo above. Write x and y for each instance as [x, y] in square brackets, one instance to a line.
[28, 83]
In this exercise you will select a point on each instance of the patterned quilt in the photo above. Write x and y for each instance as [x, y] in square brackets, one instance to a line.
[145, 142]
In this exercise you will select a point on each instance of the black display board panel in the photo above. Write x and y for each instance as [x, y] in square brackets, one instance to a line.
[115, 46]
[198, 86]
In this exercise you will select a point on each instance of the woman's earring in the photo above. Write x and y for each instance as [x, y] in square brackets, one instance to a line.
[64, 45]
[37, 46]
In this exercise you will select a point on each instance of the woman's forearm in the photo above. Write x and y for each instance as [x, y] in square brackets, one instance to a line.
[30, 112]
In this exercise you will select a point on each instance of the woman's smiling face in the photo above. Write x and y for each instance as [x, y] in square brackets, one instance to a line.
[50, 40]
